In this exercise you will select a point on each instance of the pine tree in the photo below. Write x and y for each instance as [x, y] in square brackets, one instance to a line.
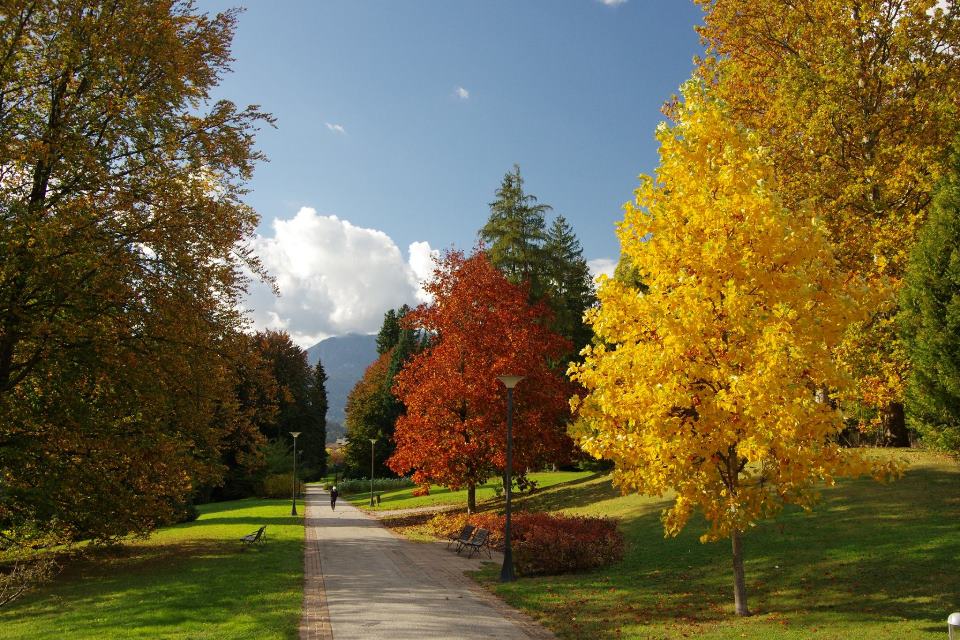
[930, 321]
[570, 284]
[317, 396]
[515, 234]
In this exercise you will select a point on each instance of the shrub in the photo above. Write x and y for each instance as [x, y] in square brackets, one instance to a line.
[359, 485]
[544, 543]
[422, 490]
[279, 485]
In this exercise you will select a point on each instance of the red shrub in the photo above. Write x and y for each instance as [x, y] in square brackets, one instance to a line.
[544, 543]
[422, 490]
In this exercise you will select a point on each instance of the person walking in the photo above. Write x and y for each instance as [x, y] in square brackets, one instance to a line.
[333, 498]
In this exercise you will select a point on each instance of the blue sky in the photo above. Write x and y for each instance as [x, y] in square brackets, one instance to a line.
[400, 118]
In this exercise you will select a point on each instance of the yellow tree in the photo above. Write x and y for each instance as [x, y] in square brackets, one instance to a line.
[857, 102]
[705, 383]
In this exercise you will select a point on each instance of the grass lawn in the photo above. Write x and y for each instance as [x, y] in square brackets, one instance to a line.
[871, 561]
[402, 498]
[194, 580]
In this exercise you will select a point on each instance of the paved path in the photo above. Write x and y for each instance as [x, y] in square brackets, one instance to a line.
[364, 582]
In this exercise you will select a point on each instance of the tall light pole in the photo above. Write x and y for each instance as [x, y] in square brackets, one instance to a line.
[506, 572]
[293, 508]
[373, 441]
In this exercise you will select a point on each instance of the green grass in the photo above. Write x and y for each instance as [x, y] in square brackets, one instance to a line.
[402, 498]
[871, 561]
[194, 580]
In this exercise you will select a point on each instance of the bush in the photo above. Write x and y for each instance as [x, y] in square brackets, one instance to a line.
[359, 485]
[422, 490]
[188, 513]
[544, 543]
[279, 485]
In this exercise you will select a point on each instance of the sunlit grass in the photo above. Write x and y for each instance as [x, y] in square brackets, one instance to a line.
[194, 580]
[403, 498]
[871, 561]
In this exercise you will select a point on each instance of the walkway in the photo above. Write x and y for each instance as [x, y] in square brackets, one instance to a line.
[363, 582]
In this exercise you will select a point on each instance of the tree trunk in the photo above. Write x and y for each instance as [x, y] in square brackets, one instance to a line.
[895, 426]
[739, 579]
[471, 498]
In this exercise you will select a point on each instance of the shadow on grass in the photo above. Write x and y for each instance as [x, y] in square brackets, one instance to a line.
[868, 555]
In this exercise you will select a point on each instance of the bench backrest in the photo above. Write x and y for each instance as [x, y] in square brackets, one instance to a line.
[259, 533]
[466, 533]
[480, 537]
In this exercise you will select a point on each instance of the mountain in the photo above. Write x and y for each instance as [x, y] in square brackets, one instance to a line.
[344, 358]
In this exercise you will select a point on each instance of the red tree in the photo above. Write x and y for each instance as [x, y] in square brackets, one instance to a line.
[481, 327]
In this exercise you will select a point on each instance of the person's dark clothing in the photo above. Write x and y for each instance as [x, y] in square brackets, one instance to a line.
[334, 494]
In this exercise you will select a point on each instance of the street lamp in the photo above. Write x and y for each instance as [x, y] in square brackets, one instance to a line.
[506, 572]
[293, 508]
[373, 441]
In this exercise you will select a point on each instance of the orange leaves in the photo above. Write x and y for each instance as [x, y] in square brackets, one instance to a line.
[481, 327]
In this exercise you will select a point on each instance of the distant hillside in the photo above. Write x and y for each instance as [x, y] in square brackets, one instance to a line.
[344, 358]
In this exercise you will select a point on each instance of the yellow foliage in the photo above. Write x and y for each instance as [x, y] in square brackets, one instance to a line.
[706, 384]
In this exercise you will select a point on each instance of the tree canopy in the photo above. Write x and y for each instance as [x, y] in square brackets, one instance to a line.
[481, 327]
[705, 384]
[125, 247]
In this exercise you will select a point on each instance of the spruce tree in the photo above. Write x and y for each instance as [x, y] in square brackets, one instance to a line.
[570, 284]
[930, 321]
[515, 234]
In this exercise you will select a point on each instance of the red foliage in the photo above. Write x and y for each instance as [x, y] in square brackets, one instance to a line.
[423, 490]
[544, 543]
[454, 430]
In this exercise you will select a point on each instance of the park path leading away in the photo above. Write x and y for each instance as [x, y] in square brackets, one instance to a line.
[363, 582]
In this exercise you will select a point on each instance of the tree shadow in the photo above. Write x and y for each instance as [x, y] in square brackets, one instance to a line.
[868, 555]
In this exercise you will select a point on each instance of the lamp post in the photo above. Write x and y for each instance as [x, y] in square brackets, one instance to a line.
[293, 508]
[373, 441]
[506, 572]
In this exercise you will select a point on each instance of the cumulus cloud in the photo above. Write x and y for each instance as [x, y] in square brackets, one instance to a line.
[336, 128]
[461, 93]
[601, 265]
[333, 277]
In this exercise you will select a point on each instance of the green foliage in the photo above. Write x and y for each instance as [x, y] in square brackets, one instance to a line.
[280, 485]
[355, 486]
[372, 408]
[570, 284]
[550, 261]
[515, 234]
[930, 321]
[124, 240]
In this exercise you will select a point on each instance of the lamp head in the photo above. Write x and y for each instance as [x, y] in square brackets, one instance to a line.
[510, 381]
[294, 434]
[373, 441]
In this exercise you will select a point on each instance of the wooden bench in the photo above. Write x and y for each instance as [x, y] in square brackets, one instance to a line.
[479, 541]
[465, 534]
[256, 537]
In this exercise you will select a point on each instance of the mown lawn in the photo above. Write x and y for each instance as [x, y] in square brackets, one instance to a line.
[194, 580]
[402, 498]
[872, 561]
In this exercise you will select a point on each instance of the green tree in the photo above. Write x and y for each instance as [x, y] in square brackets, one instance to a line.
[515, 234]
[125, 243]
[930, 320]
[372, 407]
[300, 399]
[570, 285]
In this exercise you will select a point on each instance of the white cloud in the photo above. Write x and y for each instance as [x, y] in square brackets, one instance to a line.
[461, 93]
[601, 265]
[333, 277]
[421, 261]
[336, 128]
[613, 3]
